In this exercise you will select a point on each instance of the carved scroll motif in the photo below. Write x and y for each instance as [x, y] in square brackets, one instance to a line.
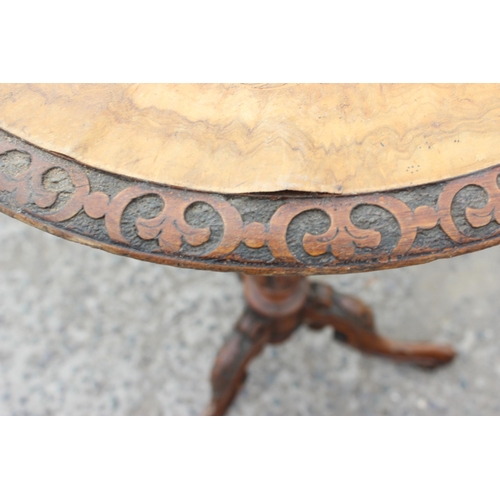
[53, 190]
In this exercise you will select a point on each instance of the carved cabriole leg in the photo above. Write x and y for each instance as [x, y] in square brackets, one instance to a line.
[250, 335]
[354, 325]
[274, 311]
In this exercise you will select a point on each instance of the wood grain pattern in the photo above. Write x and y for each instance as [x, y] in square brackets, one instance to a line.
[238, 138]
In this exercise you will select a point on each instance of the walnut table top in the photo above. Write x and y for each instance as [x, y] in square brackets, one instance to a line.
[267, 179]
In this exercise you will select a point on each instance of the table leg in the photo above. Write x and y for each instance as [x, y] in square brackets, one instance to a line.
[354, 325]
[249, 337]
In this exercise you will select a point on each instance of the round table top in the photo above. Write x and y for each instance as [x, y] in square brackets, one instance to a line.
[253, 138]
[417, 166]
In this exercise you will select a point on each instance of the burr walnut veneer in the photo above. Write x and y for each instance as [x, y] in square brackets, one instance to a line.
[275, 182]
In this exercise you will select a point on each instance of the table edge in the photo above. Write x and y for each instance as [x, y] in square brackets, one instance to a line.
[278, 233]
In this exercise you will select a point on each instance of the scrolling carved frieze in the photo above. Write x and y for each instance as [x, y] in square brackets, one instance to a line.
[267, 233]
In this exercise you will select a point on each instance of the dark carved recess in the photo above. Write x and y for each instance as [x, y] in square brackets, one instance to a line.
[266, 233]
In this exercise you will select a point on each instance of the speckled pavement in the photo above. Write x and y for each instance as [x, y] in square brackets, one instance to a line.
[84, 332]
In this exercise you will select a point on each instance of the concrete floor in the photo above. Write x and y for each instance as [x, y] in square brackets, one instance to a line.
[83, 332]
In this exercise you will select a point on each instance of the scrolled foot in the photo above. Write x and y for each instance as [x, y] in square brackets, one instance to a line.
[353, 323]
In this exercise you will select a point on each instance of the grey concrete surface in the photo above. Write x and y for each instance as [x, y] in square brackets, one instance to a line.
[83, 332]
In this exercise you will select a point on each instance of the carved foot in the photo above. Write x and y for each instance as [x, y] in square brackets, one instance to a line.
[251, 334]
[354, 325]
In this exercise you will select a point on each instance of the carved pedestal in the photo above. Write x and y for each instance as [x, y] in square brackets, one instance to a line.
[277, 306]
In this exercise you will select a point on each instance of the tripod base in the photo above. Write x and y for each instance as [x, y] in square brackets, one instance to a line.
[277, 306]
